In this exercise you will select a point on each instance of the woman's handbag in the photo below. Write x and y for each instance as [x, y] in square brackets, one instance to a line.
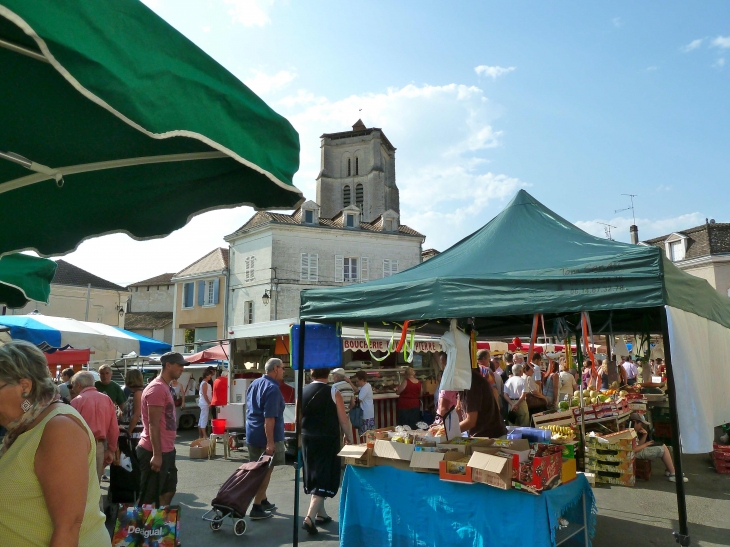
[356, 416]
[535, 403]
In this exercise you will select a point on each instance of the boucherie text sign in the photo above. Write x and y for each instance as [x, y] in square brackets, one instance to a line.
[360, 344]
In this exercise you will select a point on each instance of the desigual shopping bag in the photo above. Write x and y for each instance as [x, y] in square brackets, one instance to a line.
[147, 526]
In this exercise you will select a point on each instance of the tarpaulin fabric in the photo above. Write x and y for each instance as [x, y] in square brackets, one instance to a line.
[457, 373]
[114, 101]
[701, 364]
[24, 278]
[387, 506]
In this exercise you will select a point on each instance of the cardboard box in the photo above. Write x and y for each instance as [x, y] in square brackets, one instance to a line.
[488, 468]
[533, 435]
[569, 471]
[377, 434]
[467, 448]
[518, 447]
[403, 465]
[201, 449]
[623, 440]
[595, 453]
[539, 472]
[603, 465]
[426, 462]
[393, 451]
[454, 467]
[618, 479]
[569, 449]
[358, 455]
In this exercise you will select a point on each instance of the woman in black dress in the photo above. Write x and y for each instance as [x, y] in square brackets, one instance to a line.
[323, 421]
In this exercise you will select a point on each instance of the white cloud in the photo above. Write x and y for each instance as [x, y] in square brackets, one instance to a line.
[719, 63]
[722, 42]
[262, 83]
[206, 28]
[652, 68]
[694, 44]
[250, 13]
[648, 228]
[493, 71]
[442, 134]
[617, 22]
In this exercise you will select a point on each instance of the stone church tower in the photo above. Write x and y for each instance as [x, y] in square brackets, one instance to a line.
[358, 168]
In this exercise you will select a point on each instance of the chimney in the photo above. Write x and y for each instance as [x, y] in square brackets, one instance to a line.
[634, 231]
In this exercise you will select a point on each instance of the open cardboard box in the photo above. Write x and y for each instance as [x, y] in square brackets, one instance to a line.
[569, 471]
[358, 455]
[623, 440]
[447, 465]
[426, 462]
[488, 468]
[373, 435]
[201, 449]
[520, 447]
[393, 451]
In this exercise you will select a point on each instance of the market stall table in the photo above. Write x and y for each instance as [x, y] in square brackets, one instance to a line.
[387, 506]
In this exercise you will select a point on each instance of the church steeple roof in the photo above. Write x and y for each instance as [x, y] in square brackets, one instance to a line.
[359, 126]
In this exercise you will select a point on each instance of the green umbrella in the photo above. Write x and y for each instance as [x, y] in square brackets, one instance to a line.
[24, 278]
[112, 121]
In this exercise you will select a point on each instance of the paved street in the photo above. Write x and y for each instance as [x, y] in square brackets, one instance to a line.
[641, 516]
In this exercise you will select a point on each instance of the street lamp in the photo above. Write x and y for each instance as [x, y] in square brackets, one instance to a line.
[266, 297]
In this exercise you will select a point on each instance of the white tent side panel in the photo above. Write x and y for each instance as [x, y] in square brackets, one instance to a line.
[701, 363]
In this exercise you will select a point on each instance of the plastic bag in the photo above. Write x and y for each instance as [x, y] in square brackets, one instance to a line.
[457, 374]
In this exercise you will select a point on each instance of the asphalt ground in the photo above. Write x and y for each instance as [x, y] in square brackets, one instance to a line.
[644, 515]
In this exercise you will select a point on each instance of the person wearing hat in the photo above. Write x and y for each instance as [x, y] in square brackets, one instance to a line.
[156, 448]
[645, 450]
[344, 385]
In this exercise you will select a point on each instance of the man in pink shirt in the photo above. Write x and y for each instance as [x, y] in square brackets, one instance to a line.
[156, 448]
[100, 414]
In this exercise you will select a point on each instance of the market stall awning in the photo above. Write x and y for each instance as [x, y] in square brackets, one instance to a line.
[24, 278]
[70, 356]
[354, 339]
[219, 352]
[113, 121]
[59, 331]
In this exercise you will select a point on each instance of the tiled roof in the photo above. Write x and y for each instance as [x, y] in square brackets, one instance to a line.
[68, 274]
[358, 130]
[266, 217]
[147, 320]
[214, 261]
[706, 239]
[162, 279]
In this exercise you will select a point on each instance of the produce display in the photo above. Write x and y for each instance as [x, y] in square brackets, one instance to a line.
[560, 433]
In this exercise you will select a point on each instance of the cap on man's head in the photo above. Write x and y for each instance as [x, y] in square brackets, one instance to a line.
[636, 417]
[340, 371]
[174, 358]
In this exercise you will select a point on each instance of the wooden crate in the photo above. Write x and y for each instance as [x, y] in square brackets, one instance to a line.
[554, 418]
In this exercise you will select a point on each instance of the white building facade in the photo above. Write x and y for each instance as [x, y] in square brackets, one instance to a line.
[352, 234]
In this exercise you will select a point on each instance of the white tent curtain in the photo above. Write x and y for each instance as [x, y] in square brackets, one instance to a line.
[700, 351]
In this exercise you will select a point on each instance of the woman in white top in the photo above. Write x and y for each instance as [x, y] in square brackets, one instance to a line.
[204, 404]
[365, 397]
[566, 381]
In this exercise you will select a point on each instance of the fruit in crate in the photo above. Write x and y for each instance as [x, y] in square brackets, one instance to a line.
[564, 405]
[575, 402]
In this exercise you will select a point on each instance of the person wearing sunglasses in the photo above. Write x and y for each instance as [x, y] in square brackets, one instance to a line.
[38, 507]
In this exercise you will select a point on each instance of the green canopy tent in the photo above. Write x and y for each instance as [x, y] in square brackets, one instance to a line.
[24, 278]
[113, 121]
[529, 260]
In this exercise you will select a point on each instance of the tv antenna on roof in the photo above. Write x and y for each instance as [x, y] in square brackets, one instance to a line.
[633, 215]
[607, 228]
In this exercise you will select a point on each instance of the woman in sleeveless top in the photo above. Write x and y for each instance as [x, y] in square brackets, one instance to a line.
[41, 506]
[323, 421]
[550, 386]
[409, 400]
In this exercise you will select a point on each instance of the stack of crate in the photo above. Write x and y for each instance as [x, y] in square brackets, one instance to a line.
[721, 458]
[612, 459]
[661, 420]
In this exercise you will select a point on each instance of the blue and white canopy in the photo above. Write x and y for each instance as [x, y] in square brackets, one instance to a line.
[59, 331]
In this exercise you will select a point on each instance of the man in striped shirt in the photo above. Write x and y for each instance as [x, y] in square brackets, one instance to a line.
[343, 384]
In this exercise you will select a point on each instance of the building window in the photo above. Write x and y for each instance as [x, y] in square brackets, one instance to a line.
[309, 267]
[188, 295]
[210, 292]
[359, 196]
[390, 267]
[349, 272]
[346, 196]
[676, 251]
[357, 166]
[249, 270]
[349, 171]
[148, 288]
[350, 221]
[309, 217]
[248, 312]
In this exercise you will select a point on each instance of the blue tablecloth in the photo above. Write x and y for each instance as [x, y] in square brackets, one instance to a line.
[387, 506]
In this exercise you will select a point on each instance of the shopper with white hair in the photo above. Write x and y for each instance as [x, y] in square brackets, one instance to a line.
[515, 393]
[40, 504]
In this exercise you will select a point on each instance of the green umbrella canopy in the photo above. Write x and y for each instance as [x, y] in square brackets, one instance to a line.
[24, 278]
[112, 121]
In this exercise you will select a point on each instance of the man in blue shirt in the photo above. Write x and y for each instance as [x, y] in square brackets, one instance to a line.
[265, 429]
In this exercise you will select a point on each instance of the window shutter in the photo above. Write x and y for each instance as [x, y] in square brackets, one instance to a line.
[386, 267]
[304, 267]
[339, 268]
[201, 292]
[216, 290]
[314, 267]
[393, 267]
[364, 270]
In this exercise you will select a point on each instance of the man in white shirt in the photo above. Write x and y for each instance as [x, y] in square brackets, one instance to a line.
[536, 365]
[631, 371]
[343, 384]
[514, 394]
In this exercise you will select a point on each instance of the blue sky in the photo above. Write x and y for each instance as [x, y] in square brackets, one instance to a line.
[576, 102]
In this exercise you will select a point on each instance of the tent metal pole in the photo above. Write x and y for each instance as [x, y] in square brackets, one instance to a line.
[682, 537]
[297, 467]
